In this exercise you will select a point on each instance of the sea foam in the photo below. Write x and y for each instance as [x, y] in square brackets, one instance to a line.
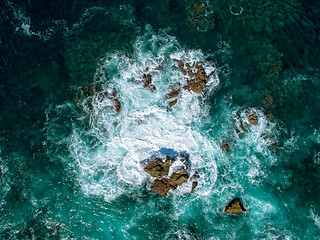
[111, 164]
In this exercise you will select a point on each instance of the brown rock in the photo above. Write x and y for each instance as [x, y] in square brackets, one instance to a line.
[196, 87]
[194, 185]
[160, 170]
[147, 79]
[184, 158]
[253, 119]
[157, 168]
[177, 178]
[225, 146]
[198, 80]
[161, 186]
[152, 87]
[117, 105]
[174, 93]
[172, 103]
[235, 206]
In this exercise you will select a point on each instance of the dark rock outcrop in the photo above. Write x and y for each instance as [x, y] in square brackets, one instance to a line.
[225, 146]
[172, 103]
[197, 76]
[235, 206]
[147, 80]
[159, 169]
[253, 118]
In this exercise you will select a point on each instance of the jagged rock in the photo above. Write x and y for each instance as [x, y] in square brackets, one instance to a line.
[225, 146]
[156, 168]
[160, 170]
[174, 93]
[253, 119]
[195, 178]
[194, 185]
[147, 79]
[198, 80]
[235, 206]
[115, 101]
[177, 178]
[152, 87]
[117, 105]
[172, 103]
[185, 160]
[161, 186]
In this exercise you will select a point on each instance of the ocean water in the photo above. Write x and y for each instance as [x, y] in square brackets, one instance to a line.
[71, 165]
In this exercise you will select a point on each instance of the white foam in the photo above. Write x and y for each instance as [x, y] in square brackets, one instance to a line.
[145, 123]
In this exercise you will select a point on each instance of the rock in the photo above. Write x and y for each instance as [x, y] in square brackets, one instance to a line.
[174, 93]
[156, 168]
[194, 185]
[267, 100]
[161, 186]
[160, 170]
[172, 103]
[225, 146]
[117, 105]
[195, 178]
[235, 206]
[177, 178]
[253, 119]
[184, 158]
[198, 80]
[152, 87]
[115, 101]
[147, 79]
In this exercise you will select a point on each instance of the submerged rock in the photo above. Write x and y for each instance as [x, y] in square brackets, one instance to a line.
[88, 95]
[235, 206]
[267, 100]
[160, 170]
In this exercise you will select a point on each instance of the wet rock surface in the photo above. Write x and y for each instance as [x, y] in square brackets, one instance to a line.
[147, 80]
[253, 118]
[225, 146]
[159, 169]
[197, 77]
[235, 207]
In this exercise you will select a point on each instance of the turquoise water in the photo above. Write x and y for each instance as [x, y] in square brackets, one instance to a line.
[71, 164]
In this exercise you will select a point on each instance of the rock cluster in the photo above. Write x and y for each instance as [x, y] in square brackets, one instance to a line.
[197, 76]
[159, 169]
[147, 80]
[172, 96]
[235, 206]
[196, 81]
